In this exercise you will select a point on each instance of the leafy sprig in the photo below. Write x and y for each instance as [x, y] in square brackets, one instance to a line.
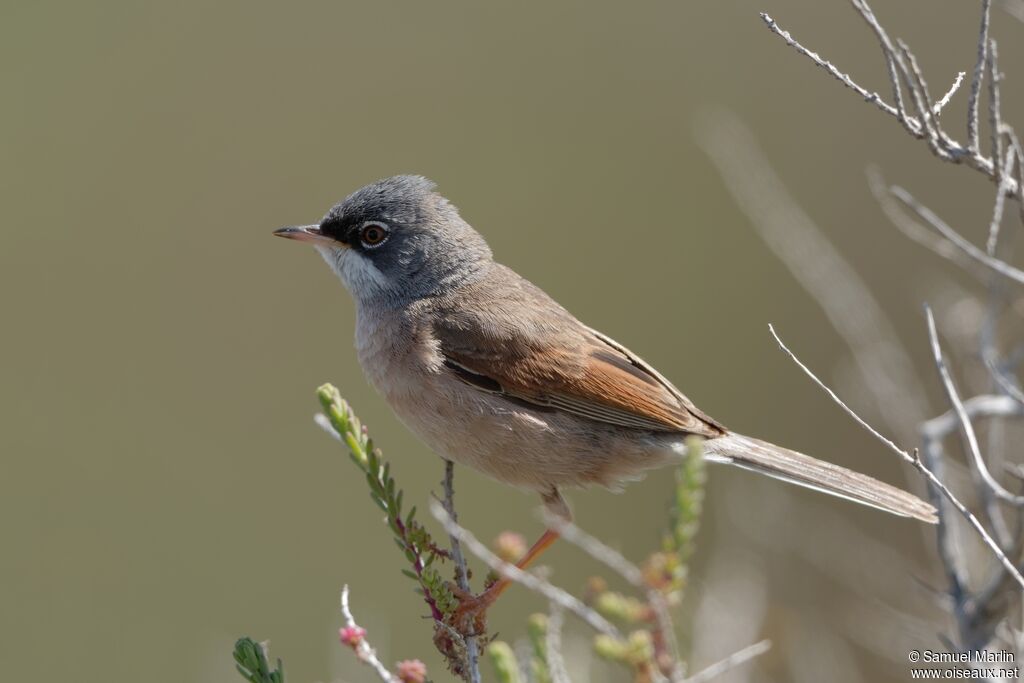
[410, 536]
[667, 570]
[648, 648]
[251, 662]
[537, 630]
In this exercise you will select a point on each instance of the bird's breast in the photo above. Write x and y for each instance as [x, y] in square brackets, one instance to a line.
[505, 440]
[403, 362]
[398, 356]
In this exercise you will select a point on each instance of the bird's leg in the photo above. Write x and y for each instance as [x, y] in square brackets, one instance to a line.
[473, 608]
[469, 616]
[543, 543]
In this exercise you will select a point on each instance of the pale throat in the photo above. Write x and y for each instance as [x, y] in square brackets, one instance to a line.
[355, 271]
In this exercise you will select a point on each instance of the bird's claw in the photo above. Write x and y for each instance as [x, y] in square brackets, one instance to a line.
[470, 617]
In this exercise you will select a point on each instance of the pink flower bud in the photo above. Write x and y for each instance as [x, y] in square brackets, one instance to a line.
[351, 636]
[412, 671]
[510, 546]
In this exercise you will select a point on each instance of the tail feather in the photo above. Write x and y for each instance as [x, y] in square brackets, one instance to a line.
[803, 470]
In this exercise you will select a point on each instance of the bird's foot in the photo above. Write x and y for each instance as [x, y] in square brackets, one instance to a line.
[470, 617]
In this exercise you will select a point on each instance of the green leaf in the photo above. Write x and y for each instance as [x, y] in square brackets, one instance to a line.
[383, 488]
[503, 659]
[251, 663]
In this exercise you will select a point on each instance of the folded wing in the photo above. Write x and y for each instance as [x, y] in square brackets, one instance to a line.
[547, 359]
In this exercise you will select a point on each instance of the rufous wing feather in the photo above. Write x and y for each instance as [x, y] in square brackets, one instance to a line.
[552, 362]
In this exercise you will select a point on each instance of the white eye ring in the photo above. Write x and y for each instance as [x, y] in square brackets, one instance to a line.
[367, 244]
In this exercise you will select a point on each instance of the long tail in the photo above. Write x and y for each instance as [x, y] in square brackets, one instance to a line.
[803, 470]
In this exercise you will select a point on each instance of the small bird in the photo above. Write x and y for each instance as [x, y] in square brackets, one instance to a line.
[491, 372]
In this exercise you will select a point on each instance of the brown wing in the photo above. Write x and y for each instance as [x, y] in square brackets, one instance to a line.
[527, 348]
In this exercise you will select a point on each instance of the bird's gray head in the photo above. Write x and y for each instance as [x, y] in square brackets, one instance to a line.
[395, 241]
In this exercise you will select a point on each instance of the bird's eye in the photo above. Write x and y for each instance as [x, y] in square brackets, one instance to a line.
[373, 234]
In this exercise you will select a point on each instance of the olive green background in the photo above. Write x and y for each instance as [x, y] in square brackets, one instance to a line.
[164, 489]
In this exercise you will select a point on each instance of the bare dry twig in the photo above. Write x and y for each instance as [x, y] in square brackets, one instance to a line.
[846, 299]
[955, 238]
[913, 460]
[966, 426]
[903, 72]
[461, 572]
[941, 104]
[731, 662]
[979, 72]
[872, 97]
[1015, 8]
[364, 652]
[618, 563]
[553, 641]
[538, 585]
[980, 613]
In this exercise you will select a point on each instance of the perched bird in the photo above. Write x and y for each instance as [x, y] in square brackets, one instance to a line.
[491, 372]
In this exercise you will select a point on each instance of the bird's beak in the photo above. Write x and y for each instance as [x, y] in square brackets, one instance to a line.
[304, 233]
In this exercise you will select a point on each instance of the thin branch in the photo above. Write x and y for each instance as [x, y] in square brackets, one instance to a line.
[1015, 8]
[618, 563]
[897, 91]
[915, 461]
[461, 573]
[998, 206]
[886, 368]
[597, 549]
[1014, 143]
[994, 107]
[933, 432]
[977, 611]
[979, 72]
[923, 101]
[985, 405]
[364, 652]
[895, 210]
[1003, 166]
[872, 97]
[1005, 383]
[894, 63]
[941, 104]
[987, 500]
[966, 427]
[948, 540]
[906, 457]
[926, 124]
[530, 581]
[553, 645]
[731, 662]
[929, 217]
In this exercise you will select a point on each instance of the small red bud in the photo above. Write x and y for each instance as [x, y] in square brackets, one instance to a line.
[412, 671]
[351, 636]
[510, 546]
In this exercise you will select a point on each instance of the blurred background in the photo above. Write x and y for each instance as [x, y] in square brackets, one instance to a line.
[164, 489]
